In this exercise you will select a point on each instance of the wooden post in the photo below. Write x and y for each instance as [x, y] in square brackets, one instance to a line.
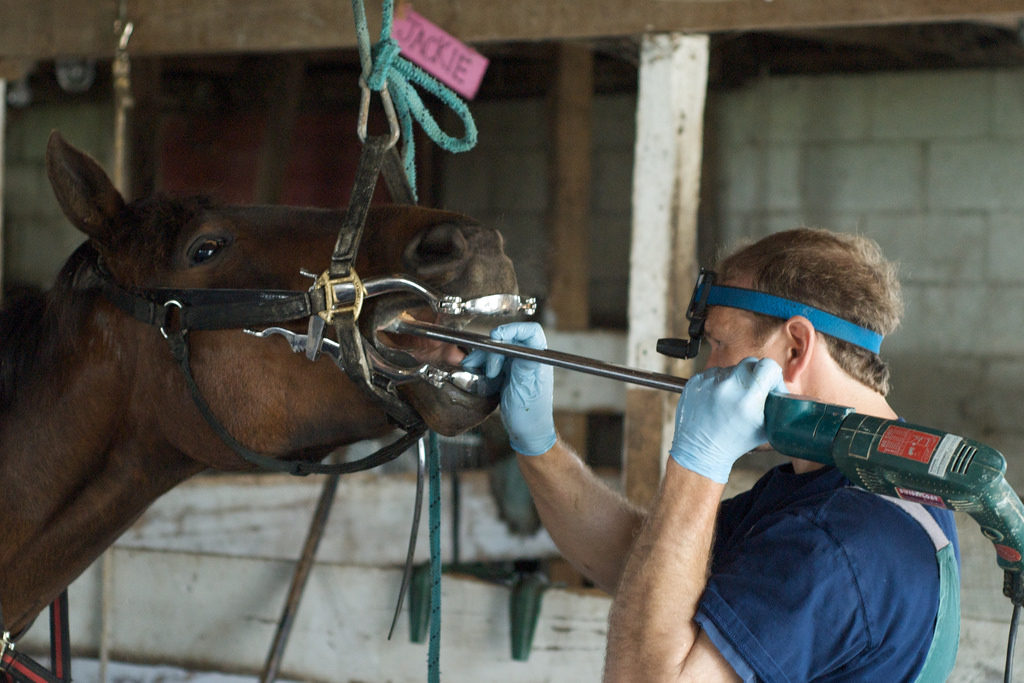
[142, 144]
[666, 181]
[3, 162]
[285, 95]
[570, 103]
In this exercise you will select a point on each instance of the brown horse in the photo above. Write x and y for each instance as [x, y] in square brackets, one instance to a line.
[96, 420]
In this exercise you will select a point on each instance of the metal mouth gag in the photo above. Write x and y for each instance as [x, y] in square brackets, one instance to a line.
[348, 291]
[352, 292]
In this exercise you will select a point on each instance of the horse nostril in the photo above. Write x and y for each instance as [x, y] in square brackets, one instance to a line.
[436, 249]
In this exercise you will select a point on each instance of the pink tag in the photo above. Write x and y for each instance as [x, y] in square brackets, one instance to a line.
[455, 64]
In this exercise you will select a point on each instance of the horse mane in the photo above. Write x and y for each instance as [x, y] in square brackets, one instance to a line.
[38, 329]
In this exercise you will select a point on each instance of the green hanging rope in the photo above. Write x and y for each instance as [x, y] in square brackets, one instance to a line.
[434, 647]
[383, 66]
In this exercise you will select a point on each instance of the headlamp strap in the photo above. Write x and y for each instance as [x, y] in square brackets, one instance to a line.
[777, 307]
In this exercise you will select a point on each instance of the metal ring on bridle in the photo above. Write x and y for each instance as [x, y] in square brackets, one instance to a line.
[389, 110]
[167, 314]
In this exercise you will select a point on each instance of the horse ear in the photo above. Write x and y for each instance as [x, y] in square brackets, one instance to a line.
[83, 190]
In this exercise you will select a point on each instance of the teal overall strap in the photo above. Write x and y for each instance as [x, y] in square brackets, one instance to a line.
[942, 652]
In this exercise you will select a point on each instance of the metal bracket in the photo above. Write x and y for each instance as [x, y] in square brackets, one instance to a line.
[6, 645]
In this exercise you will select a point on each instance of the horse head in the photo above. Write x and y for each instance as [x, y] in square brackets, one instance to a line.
[269, 399]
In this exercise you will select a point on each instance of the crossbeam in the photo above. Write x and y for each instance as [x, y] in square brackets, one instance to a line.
[44, 29]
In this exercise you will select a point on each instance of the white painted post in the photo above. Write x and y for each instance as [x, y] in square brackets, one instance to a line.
[666, 180]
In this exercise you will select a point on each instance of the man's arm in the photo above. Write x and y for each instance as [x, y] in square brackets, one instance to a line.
[652, 633]
[592, 525]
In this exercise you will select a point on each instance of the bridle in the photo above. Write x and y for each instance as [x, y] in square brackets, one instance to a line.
[335, 299]
[176, 312]
[218, 309]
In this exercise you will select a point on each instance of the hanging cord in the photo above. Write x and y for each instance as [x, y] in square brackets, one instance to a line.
[395, 78]
[1013, 588]
[1011, 641]
[434, 647]
[123, 102]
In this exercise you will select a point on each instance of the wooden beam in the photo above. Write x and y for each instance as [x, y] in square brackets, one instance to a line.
[663, 253]
[570, 105]
[44, 29]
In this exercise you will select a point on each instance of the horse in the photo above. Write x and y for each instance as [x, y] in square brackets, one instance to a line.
[96, 418]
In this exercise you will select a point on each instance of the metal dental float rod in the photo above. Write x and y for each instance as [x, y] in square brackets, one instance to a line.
[568, 361]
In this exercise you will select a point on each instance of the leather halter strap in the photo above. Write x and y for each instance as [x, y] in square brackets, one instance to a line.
[197, 309]
[377, 154]
[217, 309]
[179, 348]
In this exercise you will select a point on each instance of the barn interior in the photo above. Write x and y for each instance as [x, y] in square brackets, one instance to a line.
[903, 121]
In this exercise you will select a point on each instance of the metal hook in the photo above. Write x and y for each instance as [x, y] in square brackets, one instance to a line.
[125, 30]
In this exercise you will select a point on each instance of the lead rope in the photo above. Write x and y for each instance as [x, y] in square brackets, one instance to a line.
[434, 648]
[395, 78]
[385, 71]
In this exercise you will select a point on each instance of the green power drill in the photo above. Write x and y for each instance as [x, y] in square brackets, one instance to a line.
[918, 464]
[914, 463]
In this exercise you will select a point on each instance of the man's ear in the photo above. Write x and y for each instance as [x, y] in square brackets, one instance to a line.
[801, 343]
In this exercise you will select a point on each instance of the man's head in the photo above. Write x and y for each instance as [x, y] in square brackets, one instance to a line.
[842, 274]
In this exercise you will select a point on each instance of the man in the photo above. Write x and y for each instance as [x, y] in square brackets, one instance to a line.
[801, 578]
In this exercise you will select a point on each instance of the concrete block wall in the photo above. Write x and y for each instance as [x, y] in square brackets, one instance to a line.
[931, 165]
[37, 236]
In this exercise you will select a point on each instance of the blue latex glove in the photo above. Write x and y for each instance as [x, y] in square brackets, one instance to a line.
[720, 416]
[527, 393]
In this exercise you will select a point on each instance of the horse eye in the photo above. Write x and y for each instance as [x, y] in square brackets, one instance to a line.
[204, 250]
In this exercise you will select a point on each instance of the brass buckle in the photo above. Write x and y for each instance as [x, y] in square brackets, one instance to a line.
[331, 305]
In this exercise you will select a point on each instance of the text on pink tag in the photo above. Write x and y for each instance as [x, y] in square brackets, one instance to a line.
[450, 61]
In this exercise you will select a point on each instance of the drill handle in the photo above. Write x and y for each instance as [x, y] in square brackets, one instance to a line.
[801, 427]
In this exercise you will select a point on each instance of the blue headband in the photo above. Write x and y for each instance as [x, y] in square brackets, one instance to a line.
[777, 307]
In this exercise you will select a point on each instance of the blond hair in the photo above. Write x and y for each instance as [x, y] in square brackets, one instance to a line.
[843, 274]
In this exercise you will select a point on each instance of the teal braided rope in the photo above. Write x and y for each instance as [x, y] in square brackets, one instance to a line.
[434, 648]
[383, 65]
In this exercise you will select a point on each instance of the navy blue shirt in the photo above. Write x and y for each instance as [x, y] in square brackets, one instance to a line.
[812, 579]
